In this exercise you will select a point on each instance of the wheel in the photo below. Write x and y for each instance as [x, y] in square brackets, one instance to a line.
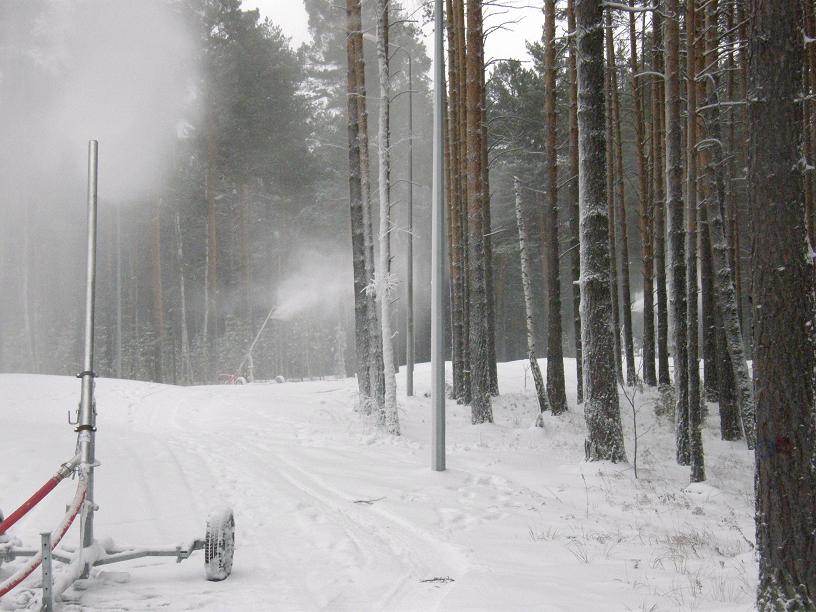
[241, 380]
[219, 545]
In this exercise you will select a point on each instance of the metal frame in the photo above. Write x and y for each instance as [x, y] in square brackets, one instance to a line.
[85, 462]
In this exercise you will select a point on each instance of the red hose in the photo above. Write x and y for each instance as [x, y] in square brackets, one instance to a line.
[29, 504]
[57, 535]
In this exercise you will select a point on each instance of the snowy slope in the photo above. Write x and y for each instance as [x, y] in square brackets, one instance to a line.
[332, 515]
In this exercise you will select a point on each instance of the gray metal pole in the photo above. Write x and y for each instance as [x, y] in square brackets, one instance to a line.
[47, 573]
[409, 324]
[437, 253]
[87, 406]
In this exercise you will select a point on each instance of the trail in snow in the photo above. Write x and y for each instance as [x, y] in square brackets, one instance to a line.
[332, 515]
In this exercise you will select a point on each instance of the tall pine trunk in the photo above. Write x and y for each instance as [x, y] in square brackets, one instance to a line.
[556, 391]
[390, 417]
[375, 363]
[529, 309]
[601, 407]
[479, 353]
[572, 191]
[659, 177]
[694, 408]
[646, 212]
[361, 335]
[784, 336]
[676, 229]
[455, 193]
[621, 230]
[610, 205]
[724, 291]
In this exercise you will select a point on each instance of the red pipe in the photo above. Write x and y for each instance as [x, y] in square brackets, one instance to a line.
[29, 504]
[26, 570]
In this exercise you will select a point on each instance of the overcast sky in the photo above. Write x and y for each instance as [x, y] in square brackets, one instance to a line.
[520, 24]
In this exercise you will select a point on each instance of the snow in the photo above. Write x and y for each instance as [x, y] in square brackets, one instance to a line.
[332, 514]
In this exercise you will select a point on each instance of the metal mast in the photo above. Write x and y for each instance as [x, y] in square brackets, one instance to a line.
[86, 426]
[438, 252]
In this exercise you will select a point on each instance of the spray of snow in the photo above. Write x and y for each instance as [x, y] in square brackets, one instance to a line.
[319, 285]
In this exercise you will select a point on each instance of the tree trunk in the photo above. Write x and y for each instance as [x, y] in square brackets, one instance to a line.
[623, 231]
[572, 191]
[375, 365]
[783, 285]
[187, 376]
[361, 335]
[491, 295]
[610, 205]
[461, 49]
[694, 408]
[529, 309]
[454, 186]
[390, 416]
[556, 391]
[646, 213]
[676, 229]
[724, 292]
[658, 148]
[158, 296]
[601, 409]
[479, 353]
[211, 269]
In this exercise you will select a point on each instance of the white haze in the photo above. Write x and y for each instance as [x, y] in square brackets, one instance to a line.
[319, 285]
[120, 71]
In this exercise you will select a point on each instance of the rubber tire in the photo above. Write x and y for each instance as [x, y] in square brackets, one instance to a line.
[219, 545]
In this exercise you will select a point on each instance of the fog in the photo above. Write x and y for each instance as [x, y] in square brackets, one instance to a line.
[222, 188]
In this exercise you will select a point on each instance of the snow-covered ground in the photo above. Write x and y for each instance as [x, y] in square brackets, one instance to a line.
[333, 515]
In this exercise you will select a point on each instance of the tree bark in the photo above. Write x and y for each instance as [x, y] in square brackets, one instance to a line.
[610, 205]
[646, 209]
[601, 407]
[187, 376]
[158, 297]
[694, 408]
[676, 229]
[783, 285]
[390, 416]
[529, 309]
[556, 391]
[454, 186]
[481, 410]
[724, 291]
[572, 191]
[659, 176]
[361, 335]
[620, 214]
[375, 364]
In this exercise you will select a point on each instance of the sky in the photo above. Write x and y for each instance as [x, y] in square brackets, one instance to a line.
[508, 41]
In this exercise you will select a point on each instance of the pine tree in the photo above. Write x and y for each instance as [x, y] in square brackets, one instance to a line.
[601, 408]
[784, 335]
[676, 229]
[478, 335]
[390, 416]
[555, 358]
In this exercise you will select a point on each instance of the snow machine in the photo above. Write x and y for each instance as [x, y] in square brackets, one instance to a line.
[218, 542]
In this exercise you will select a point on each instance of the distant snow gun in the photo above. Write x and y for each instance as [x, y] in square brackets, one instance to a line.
[218, 542]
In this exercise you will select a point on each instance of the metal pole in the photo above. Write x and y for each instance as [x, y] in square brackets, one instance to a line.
[409, 324]
[87, 407]
[437, 253]
[47, 573]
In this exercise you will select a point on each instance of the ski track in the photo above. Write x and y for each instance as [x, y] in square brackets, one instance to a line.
[320, 510]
